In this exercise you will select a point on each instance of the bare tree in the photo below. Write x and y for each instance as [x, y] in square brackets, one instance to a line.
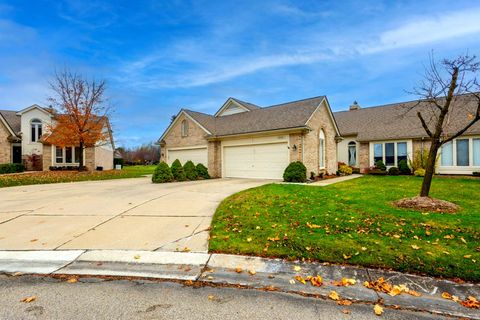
[440, 102]
[82, 112]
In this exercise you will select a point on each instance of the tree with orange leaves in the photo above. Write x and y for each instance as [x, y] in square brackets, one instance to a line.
[80, 113]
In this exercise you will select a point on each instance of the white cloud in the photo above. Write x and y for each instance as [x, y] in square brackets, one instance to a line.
[426, 30]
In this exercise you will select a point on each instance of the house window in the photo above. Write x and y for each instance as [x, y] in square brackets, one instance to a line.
[184, 128]
[401, 152]
[58, 154]
[67, 155]
[377, 152]
[447, 154]
[476, 152]
[352, 153]
[389, 154]
[36, 129]
[463, 153]
[321, 150]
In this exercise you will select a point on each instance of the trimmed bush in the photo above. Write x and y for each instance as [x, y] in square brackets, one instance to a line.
[11, 168]
[476, 173]
[377, 172]
[190, 170]
[177, 171]
[419, 173]
[380, 165]
[393, 171]
[162, 173]
[202, 171]
[295, 172]
[345, 170]
[403, 167]
[118, 161]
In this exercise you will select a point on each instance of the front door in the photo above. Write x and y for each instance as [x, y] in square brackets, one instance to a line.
[17, 154]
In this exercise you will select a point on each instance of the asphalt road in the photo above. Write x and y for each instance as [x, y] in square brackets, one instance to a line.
[122, 299]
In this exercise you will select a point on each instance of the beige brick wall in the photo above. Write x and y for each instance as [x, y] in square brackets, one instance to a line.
[364, 156]
[47, 157]
[320, 120]
[174, 139]
[419, 145]
[295, 139]
[5, 145]
[90, 158]
[214, 159]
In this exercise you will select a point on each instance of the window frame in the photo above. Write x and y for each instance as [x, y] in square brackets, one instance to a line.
[184, 128]
[383, 149]
[36, 129]
[352, 145]
[471, 155]
[64, 156]
[321, 150]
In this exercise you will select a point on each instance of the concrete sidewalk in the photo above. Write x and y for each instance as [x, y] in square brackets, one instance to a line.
[113, 214]
[247, 272]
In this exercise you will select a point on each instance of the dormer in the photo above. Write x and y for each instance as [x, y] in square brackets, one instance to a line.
[234, 106]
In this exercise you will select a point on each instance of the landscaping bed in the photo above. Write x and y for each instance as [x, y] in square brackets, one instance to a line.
[354, 222]
[44, 177]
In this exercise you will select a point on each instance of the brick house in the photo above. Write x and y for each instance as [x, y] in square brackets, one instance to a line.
[394, 132]
[245, 140]
[248, 141]
[21, 141]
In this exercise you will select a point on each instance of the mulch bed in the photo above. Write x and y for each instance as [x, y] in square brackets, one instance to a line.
[427, 204]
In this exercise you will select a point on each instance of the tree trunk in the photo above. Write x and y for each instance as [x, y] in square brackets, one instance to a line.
[430, 169]
[81, 165]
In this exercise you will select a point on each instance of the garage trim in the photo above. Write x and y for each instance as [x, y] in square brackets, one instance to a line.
[167, 151]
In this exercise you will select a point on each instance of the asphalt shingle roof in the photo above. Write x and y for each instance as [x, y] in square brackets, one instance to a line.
[282, 116]
[12, 119]
[400, 120]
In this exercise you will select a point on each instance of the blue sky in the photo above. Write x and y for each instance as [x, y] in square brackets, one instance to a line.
[159, 56]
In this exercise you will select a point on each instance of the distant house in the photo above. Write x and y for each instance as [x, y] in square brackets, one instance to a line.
[394, 132]
[21, 141]
[248, 141]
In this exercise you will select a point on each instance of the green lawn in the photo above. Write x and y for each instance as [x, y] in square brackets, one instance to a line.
[353, 222]
[43, 177]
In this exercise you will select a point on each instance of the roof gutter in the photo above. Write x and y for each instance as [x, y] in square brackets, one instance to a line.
[282, 130]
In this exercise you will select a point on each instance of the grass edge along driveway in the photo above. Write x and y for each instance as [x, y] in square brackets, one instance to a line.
[47, 177]
[353, 222]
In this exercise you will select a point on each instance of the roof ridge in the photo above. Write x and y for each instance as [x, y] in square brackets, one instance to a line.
[190, 110]
[294, 101]
[401, 102]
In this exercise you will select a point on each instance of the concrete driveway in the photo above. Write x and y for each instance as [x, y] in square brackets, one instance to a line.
[113, 214]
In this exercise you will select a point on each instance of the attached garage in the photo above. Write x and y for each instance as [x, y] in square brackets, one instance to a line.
[263, 161]
[196, 155]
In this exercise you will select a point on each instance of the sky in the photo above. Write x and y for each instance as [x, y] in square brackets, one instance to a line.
[160, 56]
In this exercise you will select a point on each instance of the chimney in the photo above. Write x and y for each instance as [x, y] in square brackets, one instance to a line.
[354, 106]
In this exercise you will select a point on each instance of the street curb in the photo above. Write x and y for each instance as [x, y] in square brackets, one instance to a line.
[245, 271]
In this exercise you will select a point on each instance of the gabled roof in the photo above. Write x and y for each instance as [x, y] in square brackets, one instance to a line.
[277, 117]
[33, 106]
[248, 105]
[12, 119]
[400, 120]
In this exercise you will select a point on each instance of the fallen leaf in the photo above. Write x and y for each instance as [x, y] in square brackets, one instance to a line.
[297, 268]
[72, 280]
[238, 270]
[211, 297]
[186, 249]
[291, 281]
[313, 226]
[189, 282]
[16, 274]
[344, 302]
[471, 302]
[29, 299]
[252, 272]
[136, 257]
[34, 240]
[346, 257]
[467, 256]
[316, 281]
[415, 247]
[300, 279]
[345, 282]
[463, 240]
[378, 309]
[446, 295]
[334, 295]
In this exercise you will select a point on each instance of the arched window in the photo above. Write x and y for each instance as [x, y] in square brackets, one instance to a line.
[184, 128]
[36, 129]
[321, 150]
[352, 153]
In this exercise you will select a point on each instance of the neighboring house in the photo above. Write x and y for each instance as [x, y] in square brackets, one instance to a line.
[248, 141]
[394, 132]
[21, 141]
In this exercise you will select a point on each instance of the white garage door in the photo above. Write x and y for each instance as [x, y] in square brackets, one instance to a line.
[197, 155]
[263, 161]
